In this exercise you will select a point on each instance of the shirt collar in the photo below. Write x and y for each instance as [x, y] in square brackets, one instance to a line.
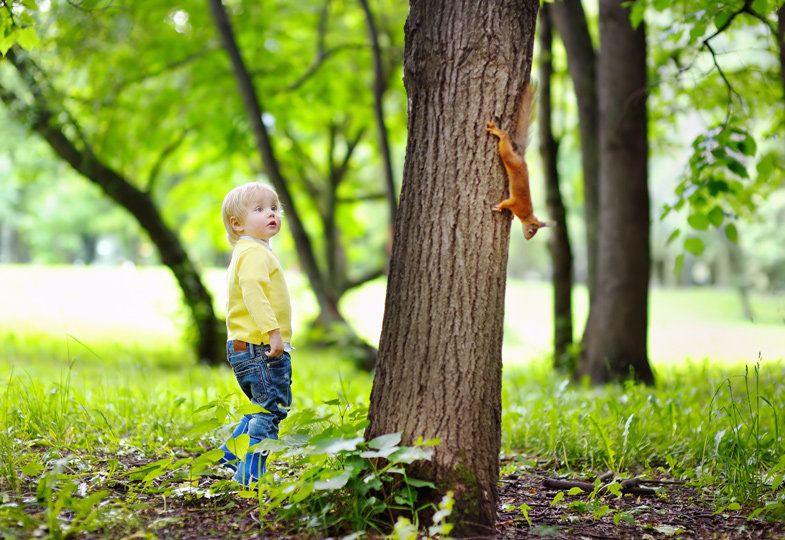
[266, 244]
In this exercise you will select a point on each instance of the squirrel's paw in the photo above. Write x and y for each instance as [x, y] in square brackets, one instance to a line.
[491, 128]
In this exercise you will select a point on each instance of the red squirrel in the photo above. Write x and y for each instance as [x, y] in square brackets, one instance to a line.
[520, 201]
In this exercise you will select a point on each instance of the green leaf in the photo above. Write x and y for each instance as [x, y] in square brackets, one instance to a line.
[409, 454]
[430, 442]
[370, 454]
[333, 483]
[614, 488]
[559, 496]
[301, 494]
[385, 441]
[716, 216]
[6, 42]
[239, 445]
[746, 144]
[776, 481]
[524, 508]
[334, 445]
[715, 187]
[27, 38]
[698, 221]
[673, 236]
[732, 233]
[209, 457]
[414, 482]
[737, 168]
[206, 406]
[637, 11]
[204, 426]
[32, 469]
[694, 245]
[766, 166]
[722, 18]
[251, 408]
[574, 491]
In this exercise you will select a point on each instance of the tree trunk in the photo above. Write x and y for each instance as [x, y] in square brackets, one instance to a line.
[570, 21]
[211, 333]
[379, 86]
[781, 43]
[561, 253]
[439, 367]
[615, 342]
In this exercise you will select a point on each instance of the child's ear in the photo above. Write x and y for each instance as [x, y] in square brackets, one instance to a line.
[236, 225]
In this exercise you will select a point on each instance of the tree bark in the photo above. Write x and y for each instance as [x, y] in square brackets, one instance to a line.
[561, 252]
[211, 332]
[615, 342]
[570, 22]
[439, 367]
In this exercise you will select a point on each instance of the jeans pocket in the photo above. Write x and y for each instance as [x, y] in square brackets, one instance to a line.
[238, 358]
[278, 376]
[275, 362]
[249, 376]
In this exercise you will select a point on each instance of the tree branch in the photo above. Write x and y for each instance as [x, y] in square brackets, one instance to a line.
[155, 171]
[322, 52]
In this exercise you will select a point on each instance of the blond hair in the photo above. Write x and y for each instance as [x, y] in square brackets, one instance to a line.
[238, 200]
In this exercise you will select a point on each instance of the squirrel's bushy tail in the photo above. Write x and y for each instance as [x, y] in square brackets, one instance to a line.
[525, 117]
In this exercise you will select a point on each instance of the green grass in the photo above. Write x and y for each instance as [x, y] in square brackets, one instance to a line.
[103, 405]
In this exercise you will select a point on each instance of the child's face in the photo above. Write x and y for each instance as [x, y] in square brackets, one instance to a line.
[262, 219]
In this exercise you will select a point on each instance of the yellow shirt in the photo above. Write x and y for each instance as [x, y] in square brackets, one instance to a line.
[258, 299]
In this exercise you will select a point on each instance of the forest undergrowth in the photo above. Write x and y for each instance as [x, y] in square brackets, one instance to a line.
[98, 444]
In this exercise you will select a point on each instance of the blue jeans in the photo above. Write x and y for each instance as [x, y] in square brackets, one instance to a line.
[267, 381]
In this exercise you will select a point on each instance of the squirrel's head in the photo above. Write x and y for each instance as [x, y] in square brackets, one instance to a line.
[531, 228]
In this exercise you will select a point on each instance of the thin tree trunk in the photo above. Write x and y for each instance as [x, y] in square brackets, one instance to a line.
[211, 332]
[379, 87]
[781, 43]
[439, 369]
[254, 111]
[570, 22]
[736, 259]
[561, 253]
[615, 342]
[329, 313]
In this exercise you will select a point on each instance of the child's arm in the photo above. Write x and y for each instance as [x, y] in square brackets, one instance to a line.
[276, 343]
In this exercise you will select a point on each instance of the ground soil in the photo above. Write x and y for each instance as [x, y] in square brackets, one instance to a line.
[677, 511]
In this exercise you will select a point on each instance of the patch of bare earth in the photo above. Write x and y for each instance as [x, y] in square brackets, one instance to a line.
[675, 511]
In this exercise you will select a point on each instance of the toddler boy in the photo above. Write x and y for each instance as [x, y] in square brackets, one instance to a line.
[258, 320]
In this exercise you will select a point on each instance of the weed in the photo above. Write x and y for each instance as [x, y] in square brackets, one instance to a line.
[748, 443]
